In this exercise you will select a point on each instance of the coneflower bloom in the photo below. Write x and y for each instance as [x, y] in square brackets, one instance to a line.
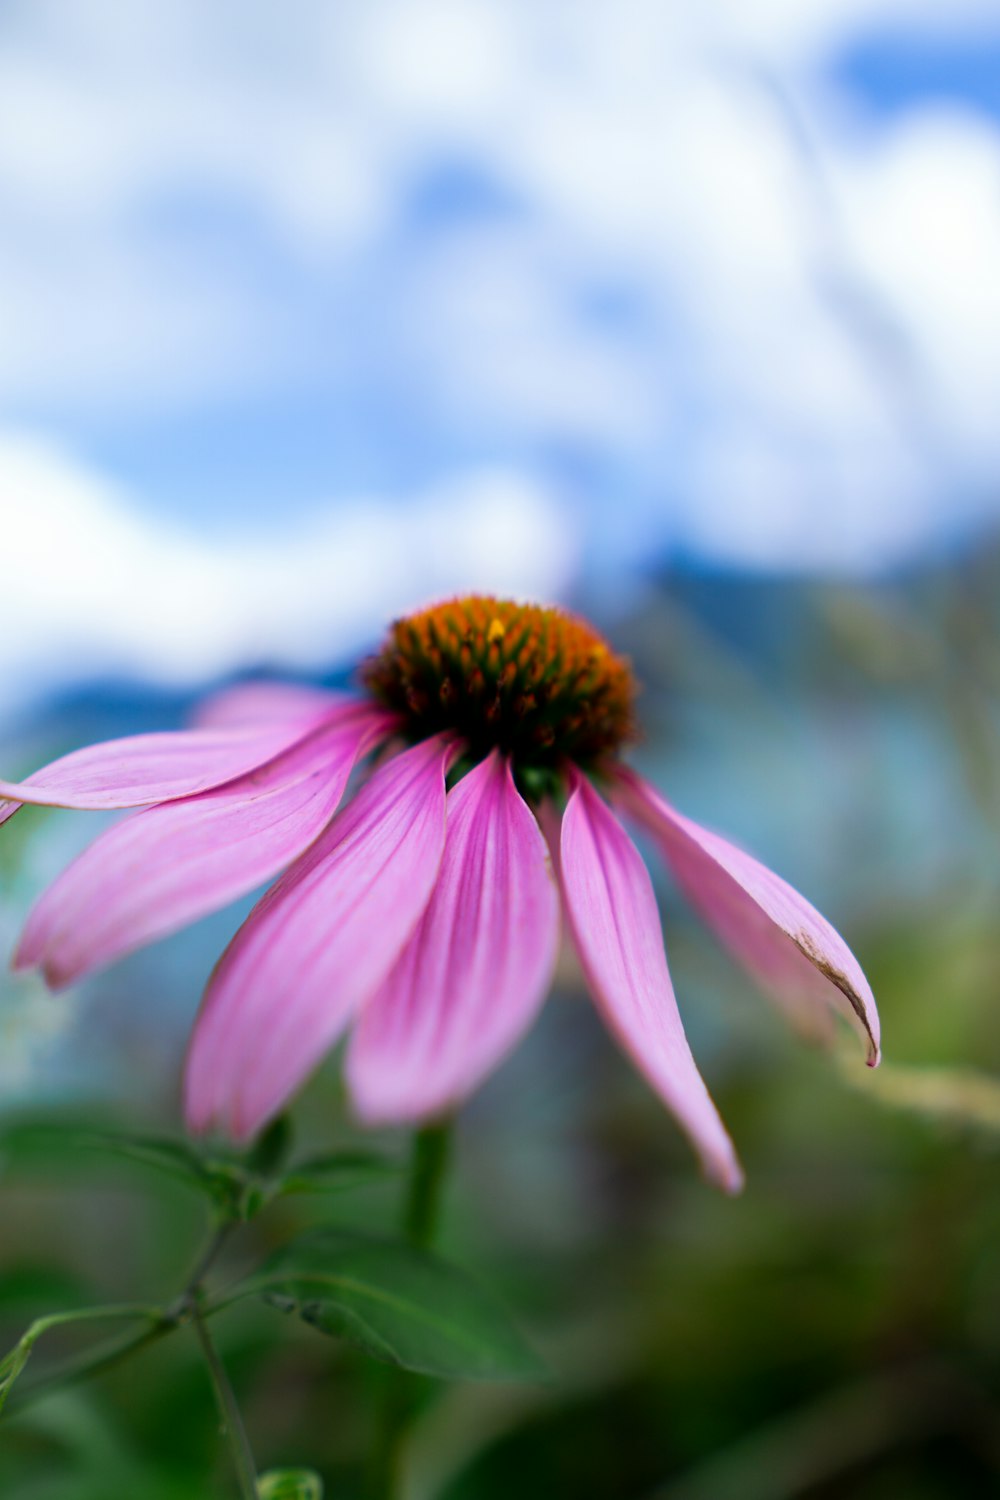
[424, 913]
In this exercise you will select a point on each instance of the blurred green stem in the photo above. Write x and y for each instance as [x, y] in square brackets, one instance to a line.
[229, 1411]
[208, 1256]
[429, 1158]
[428, 1166]
[14, 1362]
[163, 1320]
[95, 1363]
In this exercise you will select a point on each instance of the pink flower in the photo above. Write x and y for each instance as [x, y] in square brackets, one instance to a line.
[424, 913]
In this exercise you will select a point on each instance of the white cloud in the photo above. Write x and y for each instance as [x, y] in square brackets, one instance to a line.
[789, 31]
[808, 373]
[93, 585]
[923, 221]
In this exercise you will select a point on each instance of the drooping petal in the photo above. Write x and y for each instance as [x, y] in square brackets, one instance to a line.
[318, 945]
[168, 865]
[475, 972]
[144, 768]
[793, 952]
[252, 703]
[616, 928]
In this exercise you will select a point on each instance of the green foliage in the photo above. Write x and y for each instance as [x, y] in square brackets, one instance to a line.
[13, 1363]
[385, 1297]
[238, 1186]
[71, 1449]
[290, 1484]
[336, 1171]
[398, 1304]
[30, 1144]
[271, 1149]
[33, 1144]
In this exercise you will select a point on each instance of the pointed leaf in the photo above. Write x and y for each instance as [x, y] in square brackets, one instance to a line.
[33, 1142]
[398, 1304]
[230, 1183]
[337, 1171]
[270, 1151]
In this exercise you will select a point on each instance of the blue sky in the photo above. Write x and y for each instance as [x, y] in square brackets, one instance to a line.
[894, 70]
[702, 282]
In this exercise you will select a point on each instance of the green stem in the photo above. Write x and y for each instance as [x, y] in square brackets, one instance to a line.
[208, 1256]
[91, 1363]
[229, 1411]
[102, 1314]
[162, 1321]
[428, 1165]
[421, 1213]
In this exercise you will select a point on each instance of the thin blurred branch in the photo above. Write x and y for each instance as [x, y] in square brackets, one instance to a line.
[953, 1096]
[229, 1411]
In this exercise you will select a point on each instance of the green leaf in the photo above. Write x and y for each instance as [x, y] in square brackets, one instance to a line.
[172, 1157]
[290, 1484]
[37, 1142]
[398, 1304]
[230, 1182]
[271, 1149]
[337, 1171]
[240, 1185]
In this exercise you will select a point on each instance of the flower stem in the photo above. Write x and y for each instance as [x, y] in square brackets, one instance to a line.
[229, 1411]
[208, 1256]
[421, 1212]
[190, 1302]
[429, 1163]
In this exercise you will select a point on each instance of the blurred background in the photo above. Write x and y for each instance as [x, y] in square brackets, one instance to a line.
[688, 317]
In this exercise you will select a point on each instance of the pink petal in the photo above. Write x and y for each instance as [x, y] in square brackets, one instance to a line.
[150, 767]
[318, 945]
[254, 703]
[616, 927]
[170, 864]
[475, 972]
[791, 950]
